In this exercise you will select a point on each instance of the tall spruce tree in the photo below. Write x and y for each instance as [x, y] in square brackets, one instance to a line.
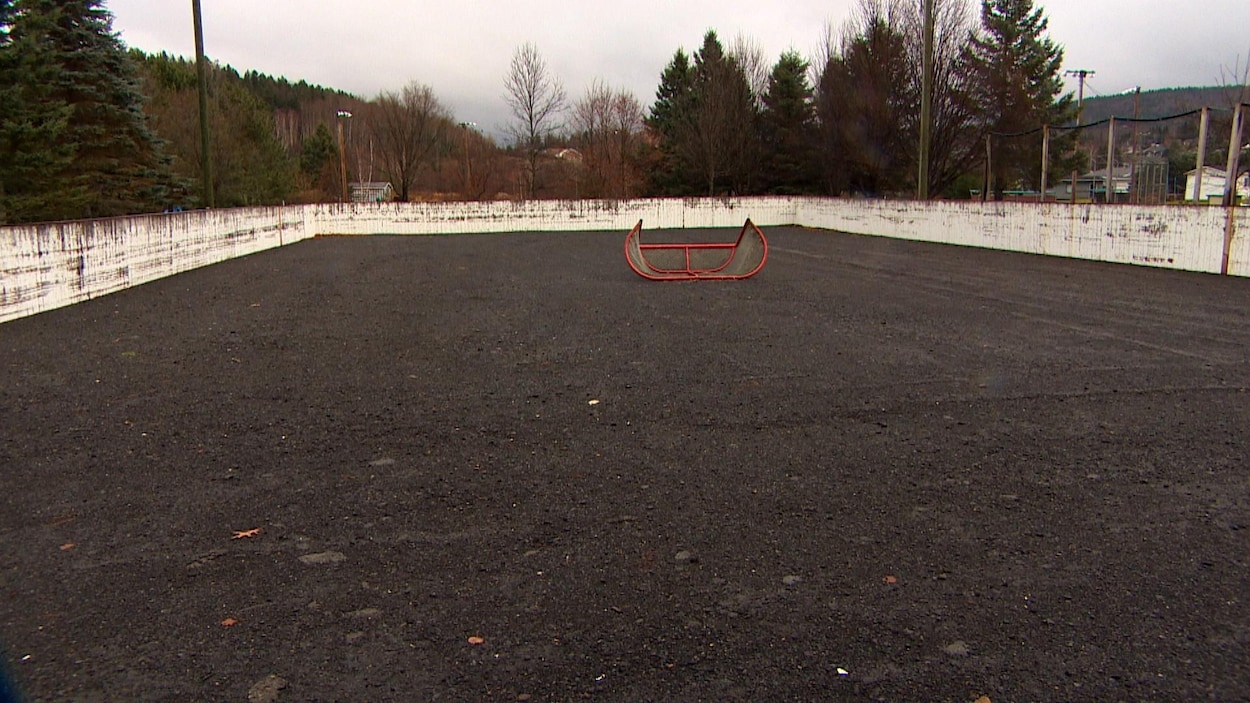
[118, 165]
[669, 121]
[1021, 89]
[34, 153]
[788, 130]
[722, 146]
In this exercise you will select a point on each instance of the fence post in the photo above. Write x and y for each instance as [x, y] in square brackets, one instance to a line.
[1110, 161]
[1234, 151]
[1202, 153]
[1045, 159]
[989, 169]
[1230, 186]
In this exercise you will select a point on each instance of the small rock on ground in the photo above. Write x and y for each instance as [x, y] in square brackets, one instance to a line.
[266, 690]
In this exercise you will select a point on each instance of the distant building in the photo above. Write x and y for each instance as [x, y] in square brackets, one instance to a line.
[1092, 186]
[1214, 181]
[372, 192]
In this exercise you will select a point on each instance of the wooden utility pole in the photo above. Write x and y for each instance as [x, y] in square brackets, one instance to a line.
[1132, 165]
[201, 72]
[468, 180]
[342, 115]
[1110, 160]
[926, 102]
[1081, 74]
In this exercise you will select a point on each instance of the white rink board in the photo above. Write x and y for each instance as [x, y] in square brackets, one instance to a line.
[47, 266]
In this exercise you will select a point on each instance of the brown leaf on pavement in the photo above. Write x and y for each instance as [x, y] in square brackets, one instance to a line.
[244, 534]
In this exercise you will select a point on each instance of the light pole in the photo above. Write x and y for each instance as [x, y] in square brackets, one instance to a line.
[466, 126]
[343, 115]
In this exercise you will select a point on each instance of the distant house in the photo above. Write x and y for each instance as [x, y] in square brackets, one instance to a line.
[1214, 181]
[1092, 186]
[372, 192]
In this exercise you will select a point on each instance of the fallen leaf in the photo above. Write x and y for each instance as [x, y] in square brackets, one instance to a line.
[229, 622]
[594, 401]
[477, 640]
[67, 546]
[982, 699]
[245, 534]
[890, 579]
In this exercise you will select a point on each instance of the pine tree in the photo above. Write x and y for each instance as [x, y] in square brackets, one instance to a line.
[670, 120]
[706, 120]
[118, 165]
[34, 152]
[1021, 89]
[723, 144]
[788, 131]
[318, 151]
[876, 97]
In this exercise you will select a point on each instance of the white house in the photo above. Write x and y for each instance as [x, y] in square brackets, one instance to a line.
[1214, 181]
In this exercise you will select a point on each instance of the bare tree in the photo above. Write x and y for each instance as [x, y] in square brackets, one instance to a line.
[607, 127]
[538, 102]
[409, 127]
[957, 129]
[755, 67]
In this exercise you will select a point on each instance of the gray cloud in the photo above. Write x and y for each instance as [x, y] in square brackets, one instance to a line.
[462, 49]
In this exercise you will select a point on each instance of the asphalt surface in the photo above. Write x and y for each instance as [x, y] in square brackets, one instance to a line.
[503, 467]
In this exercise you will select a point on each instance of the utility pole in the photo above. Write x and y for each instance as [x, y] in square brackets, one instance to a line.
[466, 126]
[1132, 165]
[1081, 74]
[342, 115]
[201, 71]
[926, 102]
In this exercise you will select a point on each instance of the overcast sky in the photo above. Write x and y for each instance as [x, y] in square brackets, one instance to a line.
[462, 48]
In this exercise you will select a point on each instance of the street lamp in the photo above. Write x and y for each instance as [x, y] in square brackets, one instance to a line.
[343, 115]
[467, 180]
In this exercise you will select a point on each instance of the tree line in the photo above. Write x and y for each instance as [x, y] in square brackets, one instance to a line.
[849, 123]
[90, 129]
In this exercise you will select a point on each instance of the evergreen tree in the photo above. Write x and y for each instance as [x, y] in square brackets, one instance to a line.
[723, 143]
[118, 165]
[250, 166]
[788, 131]
[669, 121]
[318, 151]
[34, 152]
[867, 103]
[706, 120]
[1020, 90]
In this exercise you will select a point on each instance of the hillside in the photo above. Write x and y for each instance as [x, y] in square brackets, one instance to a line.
[1162, 103]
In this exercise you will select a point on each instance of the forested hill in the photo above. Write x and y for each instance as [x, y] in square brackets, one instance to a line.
[1162, 103]
[272, 140]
